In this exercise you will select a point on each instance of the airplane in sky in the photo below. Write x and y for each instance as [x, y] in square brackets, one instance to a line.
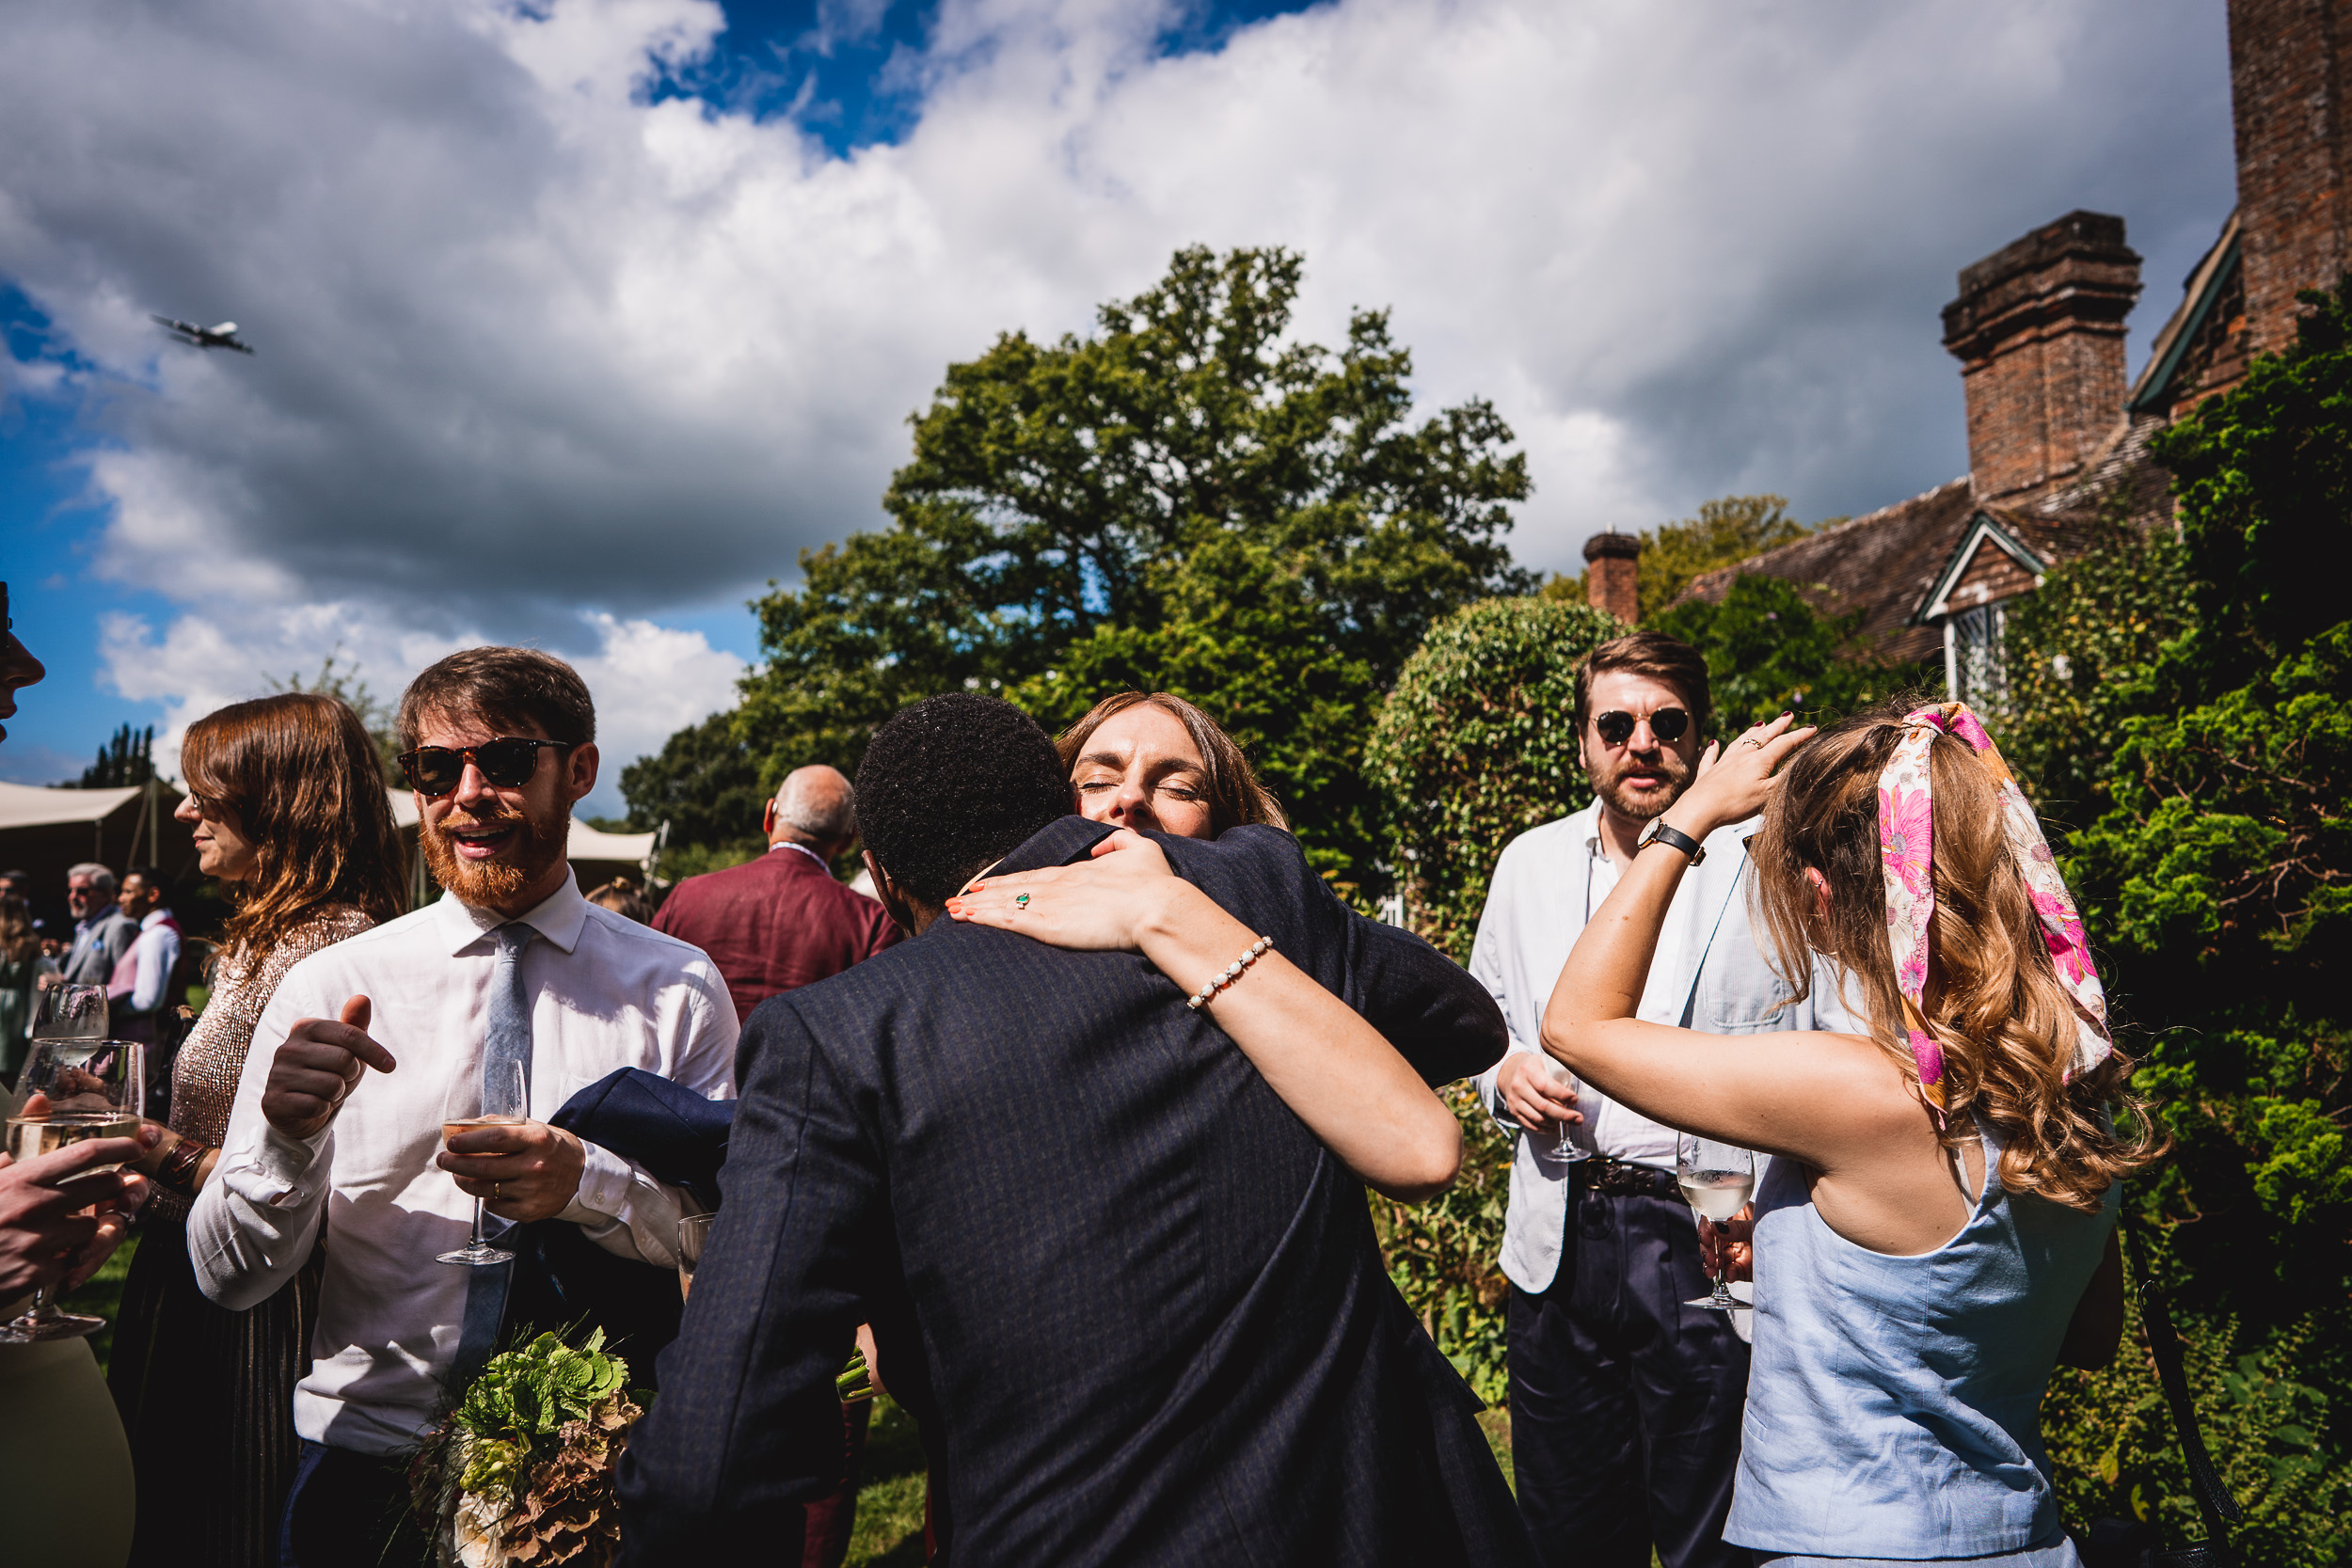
[223, 335]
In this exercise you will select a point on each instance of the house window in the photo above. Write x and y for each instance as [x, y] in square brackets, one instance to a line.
[1973, 671]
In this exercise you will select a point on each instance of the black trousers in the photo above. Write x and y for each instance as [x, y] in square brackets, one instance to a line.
[1625, 1404]
[348, 1510]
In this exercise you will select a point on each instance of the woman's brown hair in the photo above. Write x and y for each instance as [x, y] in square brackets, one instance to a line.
[1235, 796]
[303, 778]
[1996, 1007]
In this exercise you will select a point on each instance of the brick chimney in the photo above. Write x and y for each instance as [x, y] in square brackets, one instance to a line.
[2287, 87]
[1610, 573]
[2039, 331]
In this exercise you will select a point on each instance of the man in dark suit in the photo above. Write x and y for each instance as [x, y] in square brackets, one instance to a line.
[782, 921]
[1136, 1307]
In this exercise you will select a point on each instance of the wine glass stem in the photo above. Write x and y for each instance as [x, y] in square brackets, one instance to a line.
[1722, 1287]
[475, 1244]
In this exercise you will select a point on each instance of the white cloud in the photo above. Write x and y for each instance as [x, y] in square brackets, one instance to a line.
[542, 359]
[649, 681]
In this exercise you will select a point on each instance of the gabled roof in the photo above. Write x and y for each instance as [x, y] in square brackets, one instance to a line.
[1882, 564]
[2208, 284]
[1987, 530]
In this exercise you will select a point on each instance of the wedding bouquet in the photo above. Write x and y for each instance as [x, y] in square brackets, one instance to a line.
[521, 1471]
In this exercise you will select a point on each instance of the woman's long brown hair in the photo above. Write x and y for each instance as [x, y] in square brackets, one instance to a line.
[1235, 796]
[302, 777]
[1998, 1008]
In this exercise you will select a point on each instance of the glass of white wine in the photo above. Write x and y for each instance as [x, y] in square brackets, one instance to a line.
[498, 1097]
[1564, 1146]
[70, 1091]
[70, 1012]
[1717, 1180]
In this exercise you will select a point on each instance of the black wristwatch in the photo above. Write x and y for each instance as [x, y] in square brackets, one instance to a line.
[1657, 832]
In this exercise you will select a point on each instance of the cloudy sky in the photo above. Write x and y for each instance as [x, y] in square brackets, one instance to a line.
[577, 318]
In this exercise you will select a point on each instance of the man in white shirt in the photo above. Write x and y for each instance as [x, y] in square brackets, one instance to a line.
[339, 1117]
[1625, 1404]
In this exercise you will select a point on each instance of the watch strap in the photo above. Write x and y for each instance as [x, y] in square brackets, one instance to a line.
[1675, 838]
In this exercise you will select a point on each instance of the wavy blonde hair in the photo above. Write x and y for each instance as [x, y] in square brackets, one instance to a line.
[1996, 1007]
[1235, 796]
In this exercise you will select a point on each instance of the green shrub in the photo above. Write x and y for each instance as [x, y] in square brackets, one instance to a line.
[1477, 745]
[2114, 1453]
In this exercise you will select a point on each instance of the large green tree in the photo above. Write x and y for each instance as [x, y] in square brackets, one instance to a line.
[1188, 497]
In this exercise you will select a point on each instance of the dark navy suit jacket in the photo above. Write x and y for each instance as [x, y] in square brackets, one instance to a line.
[1136, 1307]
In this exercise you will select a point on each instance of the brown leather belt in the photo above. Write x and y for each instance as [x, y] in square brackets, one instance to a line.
[1623, 1178]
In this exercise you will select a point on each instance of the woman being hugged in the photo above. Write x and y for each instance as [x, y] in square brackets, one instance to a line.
[1937, 1231]
[1157, 764]
[286, 796]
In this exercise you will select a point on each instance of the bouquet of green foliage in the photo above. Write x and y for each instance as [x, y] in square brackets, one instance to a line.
[521, 1470]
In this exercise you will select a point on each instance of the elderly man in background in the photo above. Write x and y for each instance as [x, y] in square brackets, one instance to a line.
[102, 933]
[782, 921]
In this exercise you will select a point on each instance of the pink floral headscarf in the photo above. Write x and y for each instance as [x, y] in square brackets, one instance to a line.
[1906, 853]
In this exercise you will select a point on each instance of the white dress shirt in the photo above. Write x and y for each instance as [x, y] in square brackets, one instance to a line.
[605, 992]
[1707, 973]
[156, 951]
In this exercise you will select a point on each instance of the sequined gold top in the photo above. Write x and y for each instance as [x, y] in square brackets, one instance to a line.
[204, 1075]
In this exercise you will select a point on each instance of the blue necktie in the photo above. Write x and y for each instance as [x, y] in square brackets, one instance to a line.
[506, 1039]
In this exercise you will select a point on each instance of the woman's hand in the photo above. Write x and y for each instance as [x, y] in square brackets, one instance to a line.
[1734, 781]
[49, 1231]
[1729, 1249]
[1106, 904]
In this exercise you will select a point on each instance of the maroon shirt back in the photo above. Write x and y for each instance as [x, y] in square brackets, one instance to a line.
[775, 924]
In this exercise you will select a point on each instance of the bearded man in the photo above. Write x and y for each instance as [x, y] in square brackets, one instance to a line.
[1626, 1404]
[339, 1117]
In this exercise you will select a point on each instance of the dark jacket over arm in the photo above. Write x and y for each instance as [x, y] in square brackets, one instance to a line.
[1137, 1308]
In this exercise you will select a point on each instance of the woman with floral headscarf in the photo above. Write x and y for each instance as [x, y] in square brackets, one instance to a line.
[1937, 1228]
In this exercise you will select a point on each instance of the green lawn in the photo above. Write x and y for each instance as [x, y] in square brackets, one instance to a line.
[102, 1295]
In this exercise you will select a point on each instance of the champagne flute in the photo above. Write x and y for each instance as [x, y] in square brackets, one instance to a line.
[693, 1233]
[85, 1089]
[498, 1097]
[1717, 1180]
[70, 1012]
[1564, 1146]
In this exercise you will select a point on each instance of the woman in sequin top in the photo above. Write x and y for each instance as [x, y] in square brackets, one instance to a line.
[288, 805]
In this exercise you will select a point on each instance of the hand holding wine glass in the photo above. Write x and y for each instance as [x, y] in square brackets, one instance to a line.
[1564, 1146]
[1717, 1179]
[72, 1092]
[498, 1097]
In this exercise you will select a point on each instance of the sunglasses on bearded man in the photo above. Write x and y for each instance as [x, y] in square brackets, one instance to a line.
[506, 763]
[1616, 728]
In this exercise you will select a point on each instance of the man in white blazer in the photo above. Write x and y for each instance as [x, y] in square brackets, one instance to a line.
[1626, 1404]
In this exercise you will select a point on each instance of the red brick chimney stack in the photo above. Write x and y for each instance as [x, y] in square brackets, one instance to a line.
[2288, 80]
[1610, 573]
[2039, 331]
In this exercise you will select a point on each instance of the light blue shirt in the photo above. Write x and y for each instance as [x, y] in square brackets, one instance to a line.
[1894, 1403]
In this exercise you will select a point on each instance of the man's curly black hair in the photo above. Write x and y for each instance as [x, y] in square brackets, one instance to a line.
[953, 783]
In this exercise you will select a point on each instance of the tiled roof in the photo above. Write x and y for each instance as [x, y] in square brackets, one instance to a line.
[1880, 565]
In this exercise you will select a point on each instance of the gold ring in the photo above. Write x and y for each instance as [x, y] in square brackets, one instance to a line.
[1750, 740]
[495, 1188]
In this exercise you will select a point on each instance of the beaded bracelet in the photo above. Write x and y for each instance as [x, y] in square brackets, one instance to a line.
[1229, 973]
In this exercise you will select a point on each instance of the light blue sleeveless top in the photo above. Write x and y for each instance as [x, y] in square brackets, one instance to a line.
[1894, 1403]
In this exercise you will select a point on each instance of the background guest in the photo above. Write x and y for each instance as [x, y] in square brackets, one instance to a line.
[102, 933]
[289, 814]
[1625, 1404]
[782, 921]
[623, 896]
[22, 967]
[139, 999]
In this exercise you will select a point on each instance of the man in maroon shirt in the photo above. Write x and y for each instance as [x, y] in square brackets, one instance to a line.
[782, 921]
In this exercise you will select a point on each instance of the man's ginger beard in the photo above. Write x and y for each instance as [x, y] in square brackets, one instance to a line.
[484, 883]
[1677, 774]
